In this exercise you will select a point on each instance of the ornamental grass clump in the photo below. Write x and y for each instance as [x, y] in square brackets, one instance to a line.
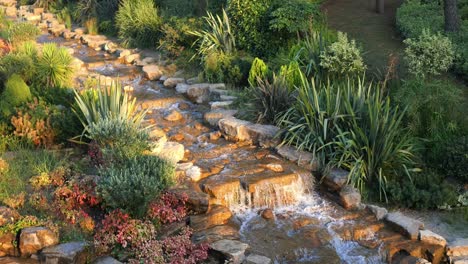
[111, 119]
[351, 124]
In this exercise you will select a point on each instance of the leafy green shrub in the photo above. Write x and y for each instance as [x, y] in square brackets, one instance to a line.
[413, 17]
[428, 54]
[424, 190]
[291, 74]
[138, 23]
[453, 160]
[343, 57]
[309, 49]
[266, 101]
[110, 117]
[231, 69]
[16, 93]
[217, 38]
[19, 64]
[54, 66]
[435, 109]
[176, 37]
[250, 22]
[18, 33]
[293, 17]
[134, 184]
[118, 138]
[259, 70]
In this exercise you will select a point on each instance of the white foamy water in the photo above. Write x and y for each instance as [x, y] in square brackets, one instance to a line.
[295, 201]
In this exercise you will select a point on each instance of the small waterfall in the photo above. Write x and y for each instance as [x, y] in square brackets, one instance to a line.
[266, 195]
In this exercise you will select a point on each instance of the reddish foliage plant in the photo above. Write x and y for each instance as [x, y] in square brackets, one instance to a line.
[169, 208]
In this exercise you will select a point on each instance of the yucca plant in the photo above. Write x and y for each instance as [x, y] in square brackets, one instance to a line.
[54, 66]
[110, 117]
[109, 102]
[217, 37]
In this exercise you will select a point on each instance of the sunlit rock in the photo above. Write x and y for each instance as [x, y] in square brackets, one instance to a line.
[408, 226]
[33, 239]
[152, 72]
[432, 238]
[350, 197]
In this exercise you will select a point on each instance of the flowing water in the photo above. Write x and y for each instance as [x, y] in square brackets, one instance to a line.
[307, 227]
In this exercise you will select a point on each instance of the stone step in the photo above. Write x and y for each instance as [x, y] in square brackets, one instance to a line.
[216, 216]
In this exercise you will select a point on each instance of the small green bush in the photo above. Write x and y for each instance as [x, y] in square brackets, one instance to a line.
[135, 183]
[176, 34]
[16, 93]
[138, 23]
[259, 70]
[250, 22]
[428, 54]
[343, 57]
[425, 190]
[231, 69]
[293, 17]
[18, 33]
[309, 50]
[54, 67]
[119, 139]
[19, 64]
[435, 109]
[453, 159]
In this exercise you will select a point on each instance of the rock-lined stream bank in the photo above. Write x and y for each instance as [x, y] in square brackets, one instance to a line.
[256, 202]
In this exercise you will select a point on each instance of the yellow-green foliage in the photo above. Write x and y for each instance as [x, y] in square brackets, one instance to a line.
[16, 92]
[54, 67]
[259, 70]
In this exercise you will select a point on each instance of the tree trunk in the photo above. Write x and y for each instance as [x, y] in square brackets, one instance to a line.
[452, 22]
[379, 5]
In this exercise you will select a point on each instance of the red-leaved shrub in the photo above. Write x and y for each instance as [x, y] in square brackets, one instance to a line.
[168, 208]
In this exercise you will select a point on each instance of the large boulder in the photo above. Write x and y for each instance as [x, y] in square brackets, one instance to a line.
[234, 129]
[33, 239]
[67, 253]
[199, 93]
[233, 250]
[406, 225]
[152, 72]
[458, 248]
[10, 260]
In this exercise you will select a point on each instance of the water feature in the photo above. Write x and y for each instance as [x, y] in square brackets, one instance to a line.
[306, 227]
